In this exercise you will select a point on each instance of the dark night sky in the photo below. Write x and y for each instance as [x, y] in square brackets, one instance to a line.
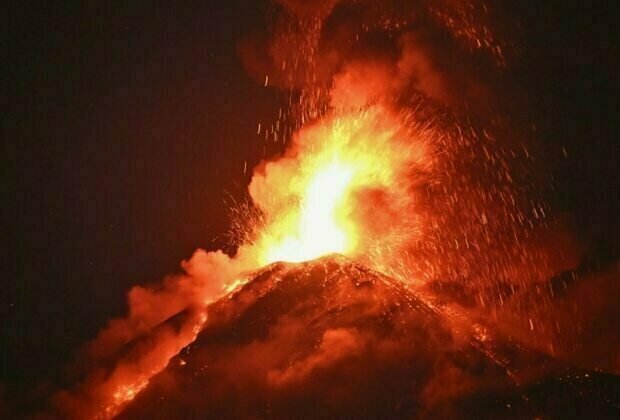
[127, 125]
[124, 127]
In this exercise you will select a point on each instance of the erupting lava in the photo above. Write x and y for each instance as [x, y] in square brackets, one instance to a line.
[319, 225]
[325, 195]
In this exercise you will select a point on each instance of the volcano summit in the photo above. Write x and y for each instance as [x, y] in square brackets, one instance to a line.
[331, 338]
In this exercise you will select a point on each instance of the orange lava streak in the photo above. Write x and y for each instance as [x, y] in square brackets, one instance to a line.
[128, 381]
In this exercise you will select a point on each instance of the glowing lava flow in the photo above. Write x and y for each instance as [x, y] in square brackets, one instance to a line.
[128, 379]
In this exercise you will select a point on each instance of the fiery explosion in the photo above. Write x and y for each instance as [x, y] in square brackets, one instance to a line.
[400, 185]
[342, 186]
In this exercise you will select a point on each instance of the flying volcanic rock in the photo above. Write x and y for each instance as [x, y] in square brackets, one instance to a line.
[331, 338]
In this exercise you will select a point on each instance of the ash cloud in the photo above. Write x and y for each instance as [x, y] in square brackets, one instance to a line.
[399, 49]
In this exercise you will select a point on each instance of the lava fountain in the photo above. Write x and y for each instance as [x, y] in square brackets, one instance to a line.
[343, 186]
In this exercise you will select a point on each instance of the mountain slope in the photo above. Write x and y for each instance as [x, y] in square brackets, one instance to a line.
[330, 338]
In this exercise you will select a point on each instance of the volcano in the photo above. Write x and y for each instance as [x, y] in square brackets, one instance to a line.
[332, 338]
